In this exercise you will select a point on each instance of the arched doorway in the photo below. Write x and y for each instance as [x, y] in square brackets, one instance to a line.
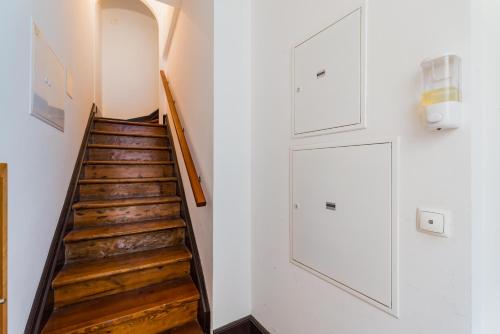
[128, 59]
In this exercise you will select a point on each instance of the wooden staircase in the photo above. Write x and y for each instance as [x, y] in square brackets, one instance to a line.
[128, 259]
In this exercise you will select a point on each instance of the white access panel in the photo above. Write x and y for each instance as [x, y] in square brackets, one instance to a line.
[47, 82]
[328, 79]
[344, 219]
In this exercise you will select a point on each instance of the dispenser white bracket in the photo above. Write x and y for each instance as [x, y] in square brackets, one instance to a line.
[445, 115]
[442, 93]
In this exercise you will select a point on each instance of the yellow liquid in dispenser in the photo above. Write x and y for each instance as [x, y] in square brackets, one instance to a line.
[440, 95]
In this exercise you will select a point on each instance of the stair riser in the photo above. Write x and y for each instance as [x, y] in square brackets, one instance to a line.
[101, 287]
[106, 247]
[126, 171]
[129, 155]
[155, 322]
[129, 141]
[126, 190]
[153, 130]
[93, 217]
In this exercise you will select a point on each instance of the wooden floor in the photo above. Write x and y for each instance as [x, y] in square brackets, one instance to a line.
[127, 267]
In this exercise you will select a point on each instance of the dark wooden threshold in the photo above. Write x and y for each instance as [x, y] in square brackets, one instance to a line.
[247, 325]
[151, 117]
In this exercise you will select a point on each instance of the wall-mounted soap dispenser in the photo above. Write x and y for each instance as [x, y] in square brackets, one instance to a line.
[442, 96]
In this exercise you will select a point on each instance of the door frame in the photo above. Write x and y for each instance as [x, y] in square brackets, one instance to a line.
[3, 247]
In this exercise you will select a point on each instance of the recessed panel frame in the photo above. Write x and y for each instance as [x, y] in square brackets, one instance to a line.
[392, 307]
[359, 121]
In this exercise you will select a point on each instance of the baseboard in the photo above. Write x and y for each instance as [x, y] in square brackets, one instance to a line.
[247, 325]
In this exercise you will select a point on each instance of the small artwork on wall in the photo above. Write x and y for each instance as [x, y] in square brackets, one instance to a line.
[47, 82]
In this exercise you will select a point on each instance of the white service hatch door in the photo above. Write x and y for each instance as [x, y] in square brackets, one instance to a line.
[342, 216]
[328, 78]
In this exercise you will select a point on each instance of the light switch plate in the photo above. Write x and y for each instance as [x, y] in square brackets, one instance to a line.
[434, 222]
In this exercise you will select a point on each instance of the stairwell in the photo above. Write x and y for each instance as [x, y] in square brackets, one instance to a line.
[128, 264]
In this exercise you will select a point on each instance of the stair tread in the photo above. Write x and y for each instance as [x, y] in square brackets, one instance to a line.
[84, 271]
[109, 231]
[118, 308]
[126, 134]
[126, 162]
[125, 202]
[118, 121]
[189, 328]
[128, 147]
[128, 180]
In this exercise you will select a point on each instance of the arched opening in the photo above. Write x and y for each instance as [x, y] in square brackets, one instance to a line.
[128, 59]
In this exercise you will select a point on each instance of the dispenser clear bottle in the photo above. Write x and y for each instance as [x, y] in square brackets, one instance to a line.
[442, 95]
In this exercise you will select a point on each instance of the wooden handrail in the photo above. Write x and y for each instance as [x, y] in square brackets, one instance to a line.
[199, 196]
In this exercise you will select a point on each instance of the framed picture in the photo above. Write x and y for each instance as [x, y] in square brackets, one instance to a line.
[47, 82]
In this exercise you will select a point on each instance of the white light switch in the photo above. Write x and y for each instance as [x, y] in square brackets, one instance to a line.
[433, 221]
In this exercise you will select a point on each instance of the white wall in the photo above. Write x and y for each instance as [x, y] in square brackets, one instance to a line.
[98, 55]
[232, 129]
[486, 161]
[435, 274]
[129, 63]
[40, 158]
[189, 67]
[165, 17]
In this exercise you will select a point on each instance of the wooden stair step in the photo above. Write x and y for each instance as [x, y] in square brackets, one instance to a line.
[117, 121]
[104, 241]
[126, 271]
[130, 153]
[126, 202]
[124, 187]
[127, 162]
[99, 232]
[189, 328]
[125, 137]
[127, 134]
[129, 127]
[173, 303]
[85, 271]
[126, 241]
[115, 169]
[106, 188]
[128, 147]
[112, 212]
[128, 180]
